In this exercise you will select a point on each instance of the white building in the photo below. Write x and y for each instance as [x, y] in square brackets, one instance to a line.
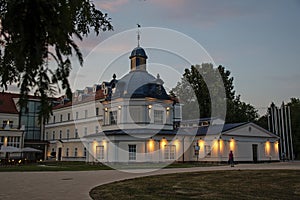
[133, 119]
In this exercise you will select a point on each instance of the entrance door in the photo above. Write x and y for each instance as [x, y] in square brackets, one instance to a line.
[59, 154]
[254, 152]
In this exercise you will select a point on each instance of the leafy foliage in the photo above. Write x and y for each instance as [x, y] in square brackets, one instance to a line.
[295, 119]
[204, 88]
[34, 31]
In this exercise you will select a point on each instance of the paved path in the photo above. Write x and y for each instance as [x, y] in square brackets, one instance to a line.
[76, 185]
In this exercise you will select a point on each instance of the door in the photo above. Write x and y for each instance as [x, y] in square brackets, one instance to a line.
[59, 154]
[254, 152]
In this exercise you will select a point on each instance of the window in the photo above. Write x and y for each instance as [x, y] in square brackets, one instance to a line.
[97, 111]
[97, 129]
[77, 115]
[207, 150]
[85, 131]
[84, 152]
[69, 116]
[68, 133]
[60, 134]
[53, 119]
[136, 114]
[158, 116]
[53, 135]
[170, 152]
[113, 117]
[132, 152]
[46, 136]
[61, 118]
[75, 152]
[100, 152]
[7, 122]
[76, 133]
[85, 113]
[67, 152]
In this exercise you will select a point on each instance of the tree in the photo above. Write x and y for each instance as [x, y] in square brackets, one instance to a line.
[32, 32]
[295, 119]
[203, 84]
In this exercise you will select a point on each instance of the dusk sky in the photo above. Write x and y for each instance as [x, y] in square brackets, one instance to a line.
[258, 41]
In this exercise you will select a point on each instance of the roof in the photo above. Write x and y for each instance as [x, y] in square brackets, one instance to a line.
[209, 130]
[7, 104]
[138, 51]
[85, 98]
[139, 84]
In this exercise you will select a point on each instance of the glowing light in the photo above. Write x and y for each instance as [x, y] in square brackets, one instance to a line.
[168, 108]
[151, 145]
[119, 107]
[232, 144]
[149, 106]
[221, 145]
[105, 109]
[163, 142]
[276, 146]
[201, 144]
[267, 147]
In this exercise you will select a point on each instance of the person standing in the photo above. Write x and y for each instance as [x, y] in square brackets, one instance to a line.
[231, 160]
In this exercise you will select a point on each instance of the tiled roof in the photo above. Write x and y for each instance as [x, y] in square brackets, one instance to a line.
[7, 104]
[85, 98]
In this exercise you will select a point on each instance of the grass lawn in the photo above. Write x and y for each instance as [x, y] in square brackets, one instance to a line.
[82, 166]
[237, 184]
[53, 166]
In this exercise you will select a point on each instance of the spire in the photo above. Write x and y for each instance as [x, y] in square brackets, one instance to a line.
[138, 34]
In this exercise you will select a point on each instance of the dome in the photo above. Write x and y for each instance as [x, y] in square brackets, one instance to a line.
[138, 51]
[139, 84]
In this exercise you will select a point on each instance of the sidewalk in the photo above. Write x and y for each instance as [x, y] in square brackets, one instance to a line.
[76, 185]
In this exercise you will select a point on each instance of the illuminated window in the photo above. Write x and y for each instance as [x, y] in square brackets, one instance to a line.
[10, 123]
[158, 116]
[100, 152]
[170, 151]
[207, 150]
[132, 152]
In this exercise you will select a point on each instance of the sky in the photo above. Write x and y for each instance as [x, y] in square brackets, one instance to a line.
[257, 41]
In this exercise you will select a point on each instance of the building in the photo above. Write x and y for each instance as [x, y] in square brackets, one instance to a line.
[134, 120]
[21, 128]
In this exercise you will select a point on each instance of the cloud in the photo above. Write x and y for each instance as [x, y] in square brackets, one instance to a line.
[110, 5]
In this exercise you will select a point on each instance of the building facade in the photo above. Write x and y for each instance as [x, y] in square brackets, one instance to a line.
[21, 128]
[134, 120]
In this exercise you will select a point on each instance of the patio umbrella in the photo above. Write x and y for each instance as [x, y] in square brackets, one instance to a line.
[29, 150]
[9, 149]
